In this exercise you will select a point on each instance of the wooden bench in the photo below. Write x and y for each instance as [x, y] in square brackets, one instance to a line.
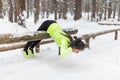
[109, 23]
[15, 41]
[11, 38]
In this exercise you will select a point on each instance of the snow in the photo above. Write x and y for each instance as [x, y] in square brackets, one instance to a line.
[7, 27]
[100, 62]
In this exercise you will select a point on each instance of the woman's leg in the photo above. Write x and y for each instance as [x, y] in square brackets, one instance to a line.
[30, 45]
[44, 26]
[34, 44]
[27, 46]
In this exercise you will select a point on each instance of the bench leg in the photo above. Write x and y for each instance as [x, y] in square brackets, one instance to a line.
[87, 42]
[59, 51]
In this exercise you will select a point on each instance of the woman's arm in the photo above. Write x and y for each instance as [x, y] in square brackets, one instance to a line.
[64, 49]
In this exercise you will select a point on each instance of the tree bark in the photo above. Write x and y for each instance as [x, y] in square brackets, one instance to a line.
[64, 9]
[37, 9]
[60, 9]
[47, 8]
[114, 10]
[42, 9]
[19, 15]
[28, 8]
[119, 12]
[1, 16]
[11, 11]
[78, 9]
[54, 7]
[109, 10]
[87, 9]
[93, 10]
[105, 13]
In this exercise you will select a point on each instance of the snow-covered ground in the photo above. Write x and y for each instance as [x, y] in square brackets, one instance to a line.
[100, 62]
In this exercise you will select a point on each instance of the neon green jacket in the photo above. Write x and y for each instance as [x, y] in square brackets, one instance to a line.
[56, 33]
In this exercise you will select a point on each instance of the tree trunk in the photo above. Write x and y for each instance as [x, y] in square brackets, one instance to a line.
[114, 10]
[93, 10]
[1, 16]
[78, 9]
[19, 15]
[55, 8]
[97, 11]
[105, 14]
[60, 8]
[28, 8]
[11, 11]
[31, 6]
[119, 12]
[64, 9]
[87, 9]
[42, 8]
[37, 9]
[15, 11]
[109, 10]
[47, 8]
[71, 6]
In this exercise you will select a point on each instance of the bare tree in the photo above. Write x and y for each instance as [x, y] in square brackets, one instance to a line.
[15, 11]
[1, 9]
[93, 10]
[31, 6]
[119, 11]
[11, 11]
[19, 15]
[87, 8]
[54, 7]
[105, 11]
[114, 10]
[43, 8]
[64, 9]
[37, 9]
[47, 8]
[109, 9]
[71, 6]
[78, 9]
[28, 8]
[60, 8]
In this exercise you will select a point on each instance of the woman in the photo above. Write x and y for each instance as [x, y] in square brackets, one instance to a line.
[64, 41]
